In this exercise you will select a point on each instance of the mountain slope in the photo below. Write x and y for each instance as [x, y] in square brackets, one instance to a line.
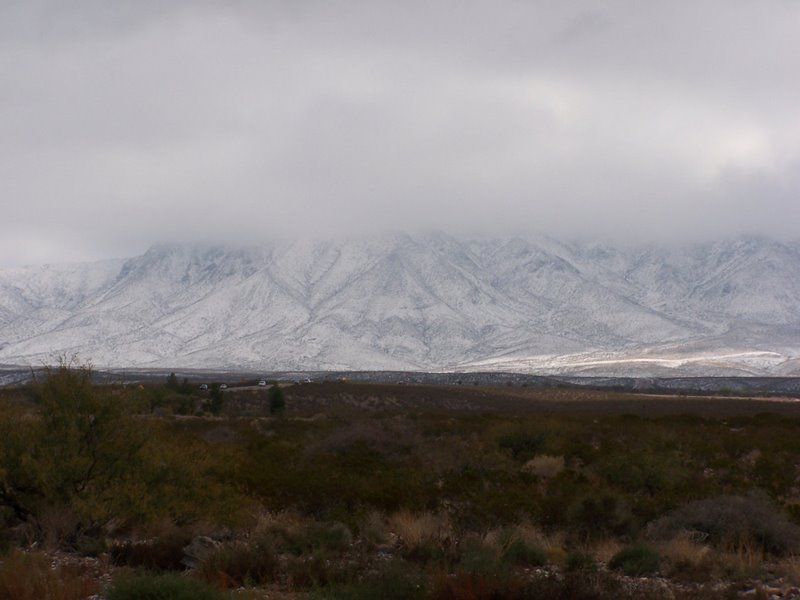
[417, 302]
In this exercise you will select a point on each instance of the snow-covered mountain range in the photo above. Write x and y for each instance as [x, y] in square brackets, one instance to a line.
[421, 302]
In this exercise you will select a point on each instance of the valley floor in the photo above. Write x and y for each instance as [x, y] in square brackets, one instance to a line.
[349, 490]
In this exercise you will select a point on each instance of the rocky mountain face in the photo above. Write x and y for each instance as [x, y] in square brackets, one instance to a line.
[423, 302]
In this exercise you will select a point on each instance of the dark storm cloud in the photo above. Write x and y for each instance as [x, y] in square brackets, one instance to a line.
[126, 123]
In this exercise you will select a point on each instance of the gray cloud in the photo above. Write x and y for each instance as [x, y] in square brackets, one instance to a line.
[127, 123]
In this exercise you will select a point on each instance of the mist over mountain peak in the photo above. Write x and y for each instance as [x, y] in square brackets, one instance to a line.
[419, 301]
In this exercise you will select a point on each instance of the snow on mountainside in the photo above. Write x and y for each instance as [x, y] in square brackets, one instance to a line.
[422, 302]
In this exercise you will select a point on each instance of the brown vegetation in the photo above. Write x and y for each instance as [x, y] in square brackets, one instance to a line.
[364, 491]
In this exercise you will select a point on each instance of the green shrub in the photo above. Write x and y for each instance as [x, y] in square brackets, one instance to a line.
[424, 552]
[319, 536]
[331, 536]
[161, 587]
[277, 403]
[216, 398]
[70, 456]
[580, 561]
[522, 445]
[331, 485]
[598, 514]
[477, 558]
[182, 388]
[635, 560]
[644, 472]
[520, 552]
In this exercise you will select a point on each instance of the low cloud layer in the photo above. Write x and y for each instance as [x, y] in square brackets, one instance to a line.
[128, 123]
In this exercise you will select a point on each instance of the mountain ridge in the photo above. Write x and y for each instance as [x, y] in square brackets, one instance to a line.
[418, 302]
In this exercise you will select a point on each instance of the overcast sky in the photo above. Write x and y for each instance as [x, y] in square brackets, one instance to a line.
[131, 122]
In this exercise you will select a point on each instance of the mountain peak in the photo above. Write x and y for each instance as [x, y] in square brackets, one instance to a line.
[422, 301]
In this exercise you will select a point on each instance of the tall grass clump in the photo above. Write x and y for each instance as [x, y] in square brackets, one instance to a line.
[423, 536]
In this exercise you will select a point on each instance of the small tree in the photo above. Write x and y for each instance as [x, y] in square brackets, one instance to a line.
[172, 381]
[216, 399]
[72, 453]
[277, 404]
[185, 387]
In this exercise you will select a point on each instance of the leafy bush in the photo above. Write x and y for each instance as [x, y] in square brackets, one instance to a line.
[599, 513]
[730, 522]
[331, 536]
[81, 445]
[389, 438]
[476, 557]
[635, 560]
[319, 536]
[331, 485]
[161, 587]
[522, 444]
[643, 472]
[580, 561]
[521, 552]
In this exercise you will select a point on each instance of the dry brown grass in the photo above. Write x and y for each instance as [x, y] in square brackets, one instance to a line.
[286, 520]
[544, 465]
[682, 550]
[603, 550]
[688, 559]
[741, 560]
[789, 569]
[415, 530]
[552, 545]
[32, 576]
